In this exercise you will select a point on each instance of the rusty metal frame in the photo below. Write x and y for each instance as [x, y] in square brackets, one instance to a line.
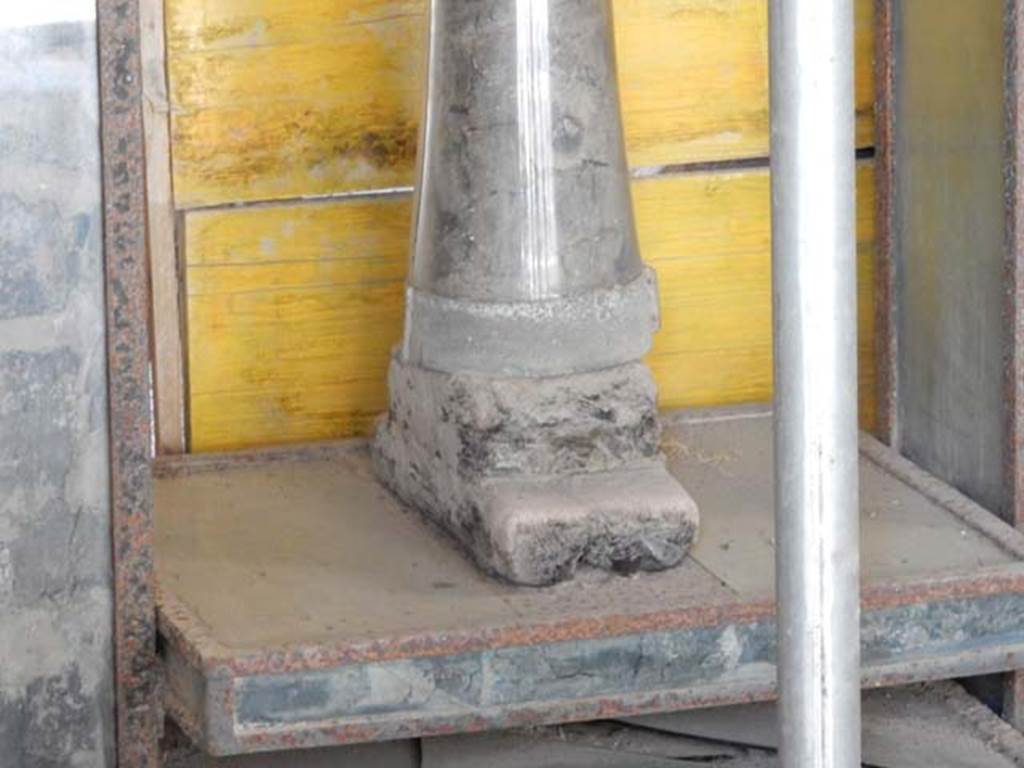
[137, 701]
[1013, 304]
[885, 170]
[1013, 296]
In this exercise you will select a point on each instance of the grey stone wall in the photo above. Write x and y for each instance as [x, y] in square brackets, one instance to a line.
[56, 701]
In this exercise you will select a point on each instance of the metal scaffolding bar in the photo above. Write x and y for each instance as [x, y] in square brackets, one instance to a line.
[815, 323]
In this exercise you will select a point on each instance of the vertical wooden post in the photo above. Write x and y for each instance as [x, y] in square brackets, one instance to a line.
[168, 349]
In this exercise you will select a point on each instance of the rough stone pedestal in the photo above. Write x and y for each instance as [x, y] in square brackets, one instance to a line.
[520, 419]
[537, 475]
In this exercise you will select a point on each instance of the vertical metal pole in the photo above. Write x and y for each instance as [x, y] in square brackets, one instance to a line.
[815, 314]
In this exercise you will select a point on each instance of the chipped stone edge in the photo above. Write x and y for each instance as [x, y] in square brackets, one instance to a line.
[595, 330]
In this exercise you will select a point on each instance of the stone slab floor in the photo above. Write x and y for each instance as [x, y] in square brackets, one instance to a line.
[920, 726]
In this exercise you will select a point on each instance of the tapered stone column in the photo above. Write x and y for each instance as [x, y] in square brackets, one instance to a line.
[521, 417]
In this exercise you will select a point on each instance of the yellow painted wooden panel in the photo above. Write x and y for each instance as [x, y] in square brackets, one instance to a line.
[709, 238]
[292, 308]
[274, 99]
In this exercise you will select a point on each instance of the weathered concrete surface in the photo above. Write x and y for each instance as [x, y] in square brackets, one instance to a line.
[586, 745]
[918, 726]
[56, 703]
[536, 476]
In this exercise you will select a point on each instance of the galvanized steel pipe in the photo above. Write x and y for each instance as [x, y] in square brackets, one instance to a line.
[815, 323]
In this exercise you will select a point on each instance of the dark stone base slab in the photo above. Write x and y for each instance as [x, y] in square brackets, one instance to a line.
[339, 618]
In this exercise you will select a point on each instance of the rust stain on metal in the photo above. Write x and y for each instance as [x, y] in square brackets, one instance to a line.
[312, 733]
[1013, 296]
[1013, 305]
[128, 360]
[885, 185]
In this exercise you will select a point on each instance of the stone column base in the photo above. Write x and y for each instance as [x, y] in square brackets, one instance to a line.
[534, 476]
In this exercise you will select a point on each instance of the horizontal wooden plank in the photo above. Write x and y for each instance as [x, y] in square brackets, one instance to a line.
[293, 308]
[273, 99]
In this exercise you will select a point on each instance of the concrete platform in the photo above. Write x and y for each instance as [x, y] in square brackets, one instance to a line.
[924, 725]
[301, 606]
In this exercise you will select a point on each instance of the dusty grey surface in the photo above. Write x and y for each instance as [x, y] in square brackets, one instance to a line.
[726, 464]
[391, 754]
[599, 329]
[546, 749]
[56, 703]
[586, 745]
[537, 476]
[295, 547]
[524, 191]
[918, 726]
[949, 245]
